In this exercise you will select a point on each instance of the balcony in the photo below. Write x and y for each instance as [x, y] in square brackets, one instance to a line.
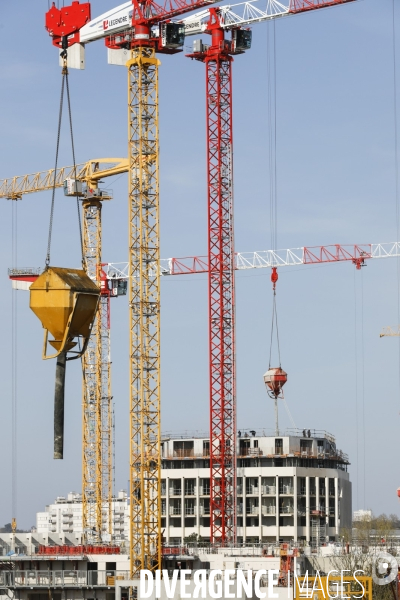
[175, 510]
[175, 491]
[184, 453]
[286, 490]
[252, 510]
[190, 511]
[268, 510]
[286, 510]
[190, 491]
[252, 490]
[268, 490]
[204, 491]
[68, 579]
[249, 451]
[204, 511]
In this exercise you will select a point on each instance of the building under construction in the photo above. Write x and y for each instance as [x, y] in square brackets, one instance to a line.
[242, 496]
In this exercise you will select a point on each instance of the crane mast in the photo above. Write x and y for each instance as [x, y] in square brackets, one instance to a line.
[221, 284]
[218, 60]
[144, 313]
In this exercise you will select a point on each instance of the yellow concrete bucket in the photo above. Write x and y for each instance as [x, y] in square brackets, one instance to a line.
[65, 301]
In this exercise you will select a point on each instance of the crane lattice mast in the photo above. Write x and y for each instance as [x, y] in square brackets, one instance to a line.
[218, 60]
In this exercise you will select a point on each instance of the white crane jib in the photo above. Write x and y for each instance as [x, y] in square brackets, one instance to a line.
[237, 15]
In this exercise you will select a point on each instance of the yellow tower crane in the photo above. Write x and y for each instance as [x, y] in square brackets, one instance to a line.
[390, 331]
[96, 365]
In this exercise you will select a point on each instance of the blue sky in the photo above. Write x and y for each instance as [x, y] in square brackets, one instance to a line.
[336, 184]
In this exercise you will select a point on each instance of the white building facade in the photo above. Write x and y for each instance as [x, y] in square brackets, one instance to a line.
[64, 516]
[293, 487]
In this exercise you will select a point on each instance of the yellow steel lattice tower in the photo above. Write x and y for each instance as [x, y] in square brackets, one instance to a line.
[92, 388]
[144, 298]
[106, 415]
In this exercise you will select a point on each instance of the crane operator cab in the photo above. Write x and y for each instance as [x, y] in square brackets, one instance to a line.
[241, 40]
[172, 35]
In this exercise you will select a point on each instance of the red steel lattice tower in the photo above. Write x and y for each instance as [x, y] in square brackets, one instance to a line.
[221, 289]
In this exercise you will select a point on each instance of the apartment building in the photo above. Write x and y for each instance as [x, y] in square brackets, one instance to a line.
[290, 487]
[64, 516]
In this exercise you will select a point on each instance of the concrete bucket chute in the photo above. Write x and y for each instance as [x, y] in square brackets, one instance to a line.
[65, 301]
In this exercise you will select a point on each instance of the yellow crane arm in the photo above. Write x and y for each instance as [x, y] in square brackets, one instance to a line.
[390, 331]
[91, 171]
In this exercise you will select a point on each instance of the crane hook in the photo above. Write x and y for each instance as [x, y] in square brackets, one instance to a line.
[274, 277]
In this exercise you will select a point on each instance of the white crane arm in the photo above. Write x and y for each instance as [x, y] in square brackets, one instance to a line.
[236, 15]
[114, 20]
[247, 13]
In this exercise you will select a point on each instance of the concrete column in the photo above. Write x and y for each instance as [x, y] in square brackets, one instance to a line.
[295, 533]
[259, 509]
[167, 508]
[277, 506]
[183, 506]
[327, 504]
[308, 504]
[198, 505]
[244, 508]
[337, 507]
[317, 493]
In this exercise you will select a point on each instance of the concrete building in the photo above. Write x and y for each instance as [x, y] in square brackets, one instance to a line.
[64, 516]
[290, 487]
[294, 487]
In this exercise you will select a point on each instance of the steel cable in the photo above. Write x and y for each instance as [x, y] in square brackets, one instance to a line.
[64, 83]
[74, 164]
[47, 262]
[14, 366]
[274, 325]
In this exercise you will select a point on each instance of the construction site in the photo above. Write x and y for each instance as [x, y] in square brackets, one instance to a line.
[227, 410]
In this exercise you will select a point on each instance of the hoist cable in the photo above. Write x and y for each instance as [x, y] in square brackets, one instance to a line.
[14, 364]
[74, 164]
[274, 325]
[363, 387]
[53, 193]
[356, 394]
[272, 135]
[64, 83]
[396, 163]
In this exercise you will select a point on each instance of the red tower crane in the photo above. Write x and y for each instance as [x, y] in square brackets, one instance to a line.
[221, 286]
